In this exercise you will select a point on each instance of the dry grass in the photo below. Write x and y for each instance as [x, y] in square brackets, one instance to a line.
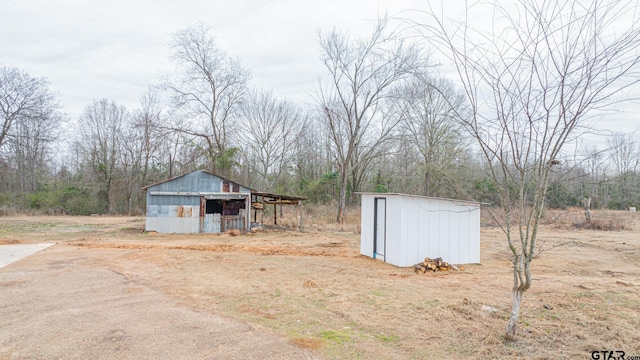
[315, 289]
[315, 217]
[572, 218]
[308, 343]
[604, 220]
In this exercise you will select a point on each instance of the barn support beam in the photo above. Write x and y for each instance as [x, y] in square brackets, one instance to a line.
[247, 214]
[300, 208]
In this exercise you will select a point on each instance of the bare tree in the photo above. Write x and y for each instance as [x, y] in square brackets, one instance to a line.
[533, 83]
[625, 155]
[29, 147]
[597, 169]
[29, 123]
[361, 73]
[208, 88]
[100, 142]
[22, 96]
[130, 166]
[429, 110]
[148, 122]
[313, 160]
[270, 129]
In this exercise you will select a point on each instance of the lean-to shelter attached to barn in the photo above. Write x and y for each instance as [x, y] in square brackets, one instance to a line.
[203, 202]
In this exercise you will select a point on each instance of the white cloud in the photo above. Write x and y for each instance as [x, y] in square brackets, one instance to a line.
[114, 49]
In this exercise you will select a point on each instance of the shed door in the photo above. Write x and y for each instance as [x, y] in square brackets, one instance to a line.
[380, 225]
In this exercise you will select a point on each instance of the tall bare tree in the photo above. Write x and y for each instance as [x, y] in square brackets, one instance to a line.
[100, 143]
[29, 123]
[21, 97]
[208, 88]
[270, 130]
[147, 120]
[429, 108]
[361, 73]
[533, 83]
[30, 147]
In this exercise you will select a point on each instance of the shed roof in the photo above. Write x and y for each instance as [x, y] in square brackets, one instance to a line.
[204, 171]
[469, 202]
[276, 197]
[273, 197]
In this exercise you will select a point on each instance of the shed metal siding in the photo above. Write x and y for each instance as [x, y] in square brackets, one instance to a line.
[419, 227]
[172, 200]
[174, 206]
[395, 216]
[173, 225]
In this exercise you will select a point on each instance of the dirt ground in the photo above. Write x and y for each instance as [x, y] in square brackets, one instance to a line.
[306, 294]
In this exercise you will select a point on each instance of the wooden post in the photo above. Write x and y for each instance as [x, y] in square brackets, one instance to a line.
[247, 214]
[275, 214]
[255, 209]
[300, 206]
[203, 209]
[586, 204]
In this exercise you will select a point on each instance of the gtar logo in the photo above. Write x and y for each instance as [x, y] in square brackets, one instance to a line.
[607, 355]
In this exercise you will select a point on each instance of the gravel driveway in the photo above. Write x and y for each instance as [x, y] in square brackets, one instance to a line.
[65, 303]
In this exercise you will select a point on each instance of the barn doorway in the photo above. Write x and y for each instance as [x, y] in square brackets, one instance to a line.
[379, 228]
[213, 206]
[220, 215]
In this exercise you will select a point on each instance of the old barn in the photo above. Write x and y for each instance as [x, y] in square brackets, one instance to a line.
[203, 202]
[403, 229]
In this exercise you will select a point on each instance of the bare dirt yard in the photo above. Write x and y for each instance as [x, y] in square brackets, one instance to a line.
[287, 294]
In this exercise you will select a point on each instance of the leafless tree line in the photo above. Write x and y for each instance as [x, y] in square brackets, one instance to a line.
[384, 120]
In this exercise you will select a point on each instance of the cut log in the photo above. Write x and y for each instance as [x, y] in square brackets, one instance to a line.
[435, 265]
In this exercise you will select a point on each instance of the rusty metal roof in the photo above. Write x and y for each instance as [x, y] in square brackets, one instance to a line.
[273, 197]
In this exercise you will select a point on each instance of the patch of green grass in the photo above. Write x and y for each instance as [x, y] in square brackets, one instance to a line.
[388, 338]
[338, 337]
[432, 303]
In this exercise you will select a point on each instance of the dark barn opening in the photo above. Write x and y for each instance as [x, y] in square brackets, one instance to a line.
[224, 207]
[213, 207]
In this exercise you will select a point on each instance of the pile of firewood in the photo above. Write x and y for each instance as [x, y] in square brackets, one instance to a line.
[434, 265]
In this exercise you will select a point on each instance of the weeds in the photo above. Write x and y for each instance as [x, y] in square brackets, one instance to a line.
[338, 337]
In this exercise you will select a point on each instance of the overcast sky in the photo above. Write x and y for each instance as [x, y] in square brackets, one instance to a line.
[115, 49]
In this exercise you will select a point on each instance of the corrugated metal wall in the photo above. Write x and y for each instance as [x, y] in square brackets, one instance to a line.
[180, 213]
[419, 227]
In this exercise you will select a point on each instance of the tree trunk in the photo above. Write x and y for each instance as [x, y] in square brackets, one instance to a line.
[344, 180]
[515, 312]
[170, 166]
[427, 181]
[586, 203]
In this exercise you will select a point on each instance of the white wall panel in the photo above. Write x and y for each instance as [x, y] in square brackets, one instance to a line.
[366, 226]
[419, 227]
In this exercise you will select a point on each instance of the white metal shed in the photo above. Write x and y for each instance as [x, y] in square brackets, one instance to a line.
[403, 229]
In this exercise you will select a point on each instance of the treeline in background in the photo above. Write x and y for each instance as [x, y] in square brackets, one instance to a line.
[382, 120]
